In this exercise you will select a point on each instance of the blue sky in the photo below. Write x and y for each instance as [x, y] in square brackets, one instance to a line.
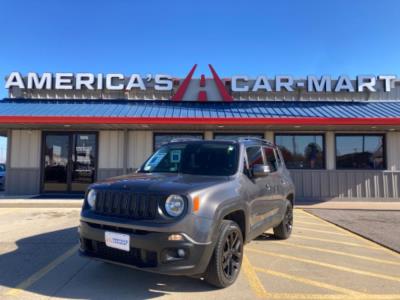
[237, 37]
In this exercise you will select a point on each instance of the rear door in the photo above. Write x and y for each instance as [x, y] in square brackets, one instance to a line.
[275, 179]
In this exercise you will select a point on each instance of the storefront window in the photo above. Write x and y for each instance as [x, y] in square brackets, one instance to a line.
[235, 136]
[302, 151]
[360, 152]
[163, 138]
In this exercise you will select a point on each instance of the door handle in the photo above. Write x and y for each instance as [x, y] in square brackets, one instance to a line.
[268, 187]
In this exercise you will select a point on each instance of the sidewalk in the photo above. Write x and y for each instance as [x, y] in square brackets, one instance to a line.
[27, 201]
[24, 202]
[348, 205]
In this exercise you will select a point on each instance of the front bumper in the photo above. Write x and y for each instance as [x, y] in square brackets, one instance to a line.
[150, 251]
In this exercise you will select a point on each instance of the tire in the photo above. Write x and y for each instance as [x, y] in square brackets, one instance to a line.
[284, 229]
[226, 261]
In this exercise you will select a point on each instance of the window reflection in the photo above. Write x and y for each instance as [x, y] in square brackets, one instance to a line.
[360, 152]
[302, 151]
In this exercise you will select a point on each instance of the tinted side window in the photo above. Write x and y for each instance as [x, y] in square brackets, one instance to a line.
[254, 156]
[270, 159]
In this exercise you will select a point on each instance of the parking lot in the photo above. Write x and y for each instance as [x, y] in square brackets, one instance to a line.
[38, 259]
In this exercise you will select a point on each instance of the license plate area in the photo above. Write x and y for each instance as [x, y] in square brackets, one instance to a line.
[117, 240]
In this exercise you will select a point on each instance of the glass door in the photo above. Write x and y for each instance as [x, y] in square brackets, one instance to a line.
[83, 161]
[70, 161]
[56, 159]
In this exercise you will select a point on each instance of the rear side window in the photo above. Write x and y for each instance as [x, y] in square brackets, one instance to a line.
[270, 159]
[254, 156]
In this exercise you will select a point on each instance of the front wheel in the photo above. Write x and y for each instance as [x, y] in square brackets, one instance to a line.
[284, 229]
[226, 261]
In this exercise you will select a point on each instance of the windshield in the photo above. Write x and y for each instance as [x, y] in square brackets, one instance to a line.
[2, 167]
[211, 159]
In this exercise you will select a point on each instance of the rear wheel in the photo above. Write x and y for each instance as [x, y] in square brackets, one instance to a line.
[226, 261]
[284, 229]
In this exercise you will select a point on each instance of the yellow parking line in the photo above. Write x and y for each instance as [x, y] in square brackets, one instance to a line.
[333, 241]
[290, 296]
[392, 252]
[253, 279]
[39, 274]
[326, 265]
[321, 231]
[309, 282]
[311, 223]
[382, 261]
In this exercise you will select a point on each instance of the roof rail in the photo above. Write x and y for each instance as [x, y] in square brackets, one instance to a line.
[184, 139]
[244, 139]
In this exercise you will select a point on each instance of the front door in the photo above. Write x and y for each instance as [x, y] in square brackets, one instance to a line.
[260, 192]
[69, 161]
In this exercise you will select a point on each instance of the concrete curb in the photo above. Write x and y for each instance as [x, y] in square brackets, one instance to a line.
[41, 203]
[77, 203]
[351, 205]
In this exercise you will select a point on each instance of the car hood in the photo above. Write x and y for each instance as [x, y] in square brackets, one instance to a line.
[161, 182]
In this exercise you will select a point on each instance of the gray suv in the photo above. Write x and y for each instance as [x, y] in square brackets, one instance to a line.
[190, 209]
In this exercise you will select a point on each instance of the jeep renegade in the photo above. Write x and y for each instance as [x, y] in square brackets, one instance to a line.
[190, 209]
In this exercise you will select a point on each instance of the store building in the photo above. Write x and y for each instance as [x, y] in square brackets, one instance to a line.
[340, 137]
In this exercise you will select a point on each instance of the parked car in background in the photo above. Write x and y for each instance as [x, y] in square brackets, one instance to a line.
[2, 176]
[190, 209]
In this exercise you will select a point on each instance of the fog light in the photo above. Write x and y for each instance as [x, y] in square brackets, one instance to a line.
[181, 253]
[175, 237]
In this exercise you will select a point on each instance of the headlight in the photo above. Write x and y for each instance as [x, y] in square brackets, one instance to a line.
[91, 198]
[174, 205]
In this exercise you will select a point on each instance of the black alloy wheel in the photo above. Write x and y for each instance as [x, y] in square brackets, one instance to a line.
[226, 261]
[284, 229]
[289, 219]
[232, 255]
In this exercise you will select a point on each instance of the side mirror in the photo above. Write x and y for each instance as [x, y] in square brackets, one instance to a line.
[260, 170]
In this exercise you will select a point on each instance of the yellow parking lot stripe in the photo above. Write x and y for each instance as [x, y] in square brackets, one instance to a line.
[253, 279]
[333, 241]
[42, 272]
[326, 265]
[382, 261]
[355, 235]
[321, 231]
[311, 223]
[309, 282]
[290, 296]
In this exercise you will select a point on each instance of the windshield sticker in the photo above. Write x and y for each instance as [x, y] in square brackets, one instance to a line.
[175, 156]
[155, 160]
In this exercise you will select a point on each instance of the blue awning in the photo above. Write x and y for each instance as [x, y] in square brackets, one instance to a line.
[157, 109]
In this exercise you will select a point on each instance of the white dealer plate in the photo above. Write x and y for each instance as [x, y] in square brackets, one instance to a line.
[117, 240]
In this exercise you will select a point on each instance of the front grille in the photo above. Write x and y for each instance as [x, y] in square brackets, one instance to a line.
[135, 257]
[127, 204]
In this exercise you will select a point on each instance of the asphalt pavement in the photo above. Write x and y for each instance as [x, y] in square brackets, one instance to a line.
[39, 260]
[382, 227]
